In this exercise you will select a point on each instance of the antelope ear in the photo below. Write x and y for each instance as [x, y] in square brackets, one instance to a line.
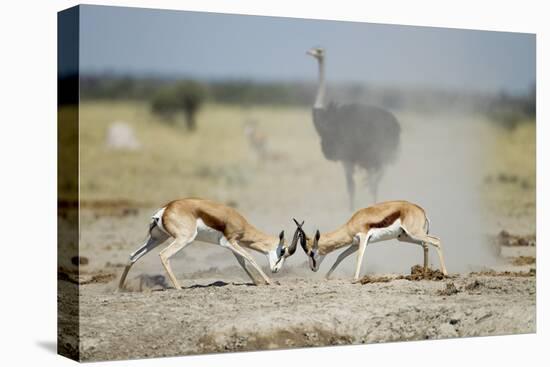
[282, 235]
[317, 235]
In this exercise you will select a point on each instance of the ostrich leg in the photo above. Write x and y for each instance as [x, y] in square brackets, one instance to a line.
[374, 177]
[349, 169]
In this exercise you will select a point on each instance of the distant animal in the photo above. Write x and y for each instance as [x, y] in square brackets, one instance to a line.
[187, 220]
[356, 135]
[259, 143]
[401, 220]
[256, 138]
[121, 136]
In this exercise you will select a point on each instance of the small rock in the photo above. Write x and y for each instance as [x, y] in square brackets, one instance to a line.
[473, 285]
[449, 290]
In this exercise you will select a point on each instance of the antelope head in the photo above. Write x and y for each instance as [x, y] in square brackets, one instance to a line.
[310, 247]
[282, 251]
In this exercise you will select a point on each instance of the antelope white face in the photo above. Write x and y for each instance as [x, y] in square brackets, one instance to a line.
[277, 256]
[275, 261]
[315, 260]
[311, 248]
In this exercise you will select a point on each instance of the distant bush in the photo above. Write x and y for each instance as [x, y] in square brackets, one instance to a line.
[163, 92]
[107, 86]
[510, 110]
[274, 93]
[182, 97]
[169, 96]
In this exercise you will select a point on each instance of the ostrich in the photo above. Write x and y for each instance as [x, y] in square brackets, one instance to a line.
[357, 135]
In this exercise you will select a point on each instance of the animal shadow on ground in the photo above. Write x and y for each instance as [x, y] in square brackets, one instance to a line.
[219, 283]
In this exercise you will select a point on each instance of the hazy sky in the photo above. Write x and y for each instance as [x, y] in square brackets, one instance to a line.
[209, 45]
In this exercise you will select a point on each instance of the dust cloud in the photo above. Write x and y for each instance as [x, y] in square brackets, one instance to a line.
[440, 167]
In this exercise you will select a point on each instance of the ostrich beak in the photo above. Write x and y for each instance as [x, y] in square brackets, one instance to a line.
[310, 52]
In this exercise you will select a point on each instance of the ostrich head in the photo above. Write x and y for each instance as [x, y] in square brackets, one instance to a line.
[317, 52]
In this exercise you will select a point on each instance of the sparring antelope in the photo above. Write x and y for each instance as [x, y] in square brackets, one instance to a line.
[404, 221]
[187, 220]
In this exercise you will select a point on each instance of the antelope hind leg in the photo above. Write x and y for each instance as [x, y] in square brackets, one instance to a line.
[151, 243]
[168, 252]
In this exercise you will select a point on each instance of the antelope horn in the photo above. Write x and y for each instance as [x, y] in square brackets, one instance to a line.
[297, 233]
[298, 224]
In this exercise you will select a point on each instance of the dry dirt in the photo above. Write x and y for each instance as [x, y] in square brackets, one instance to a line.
[219, 310]
[225, 313]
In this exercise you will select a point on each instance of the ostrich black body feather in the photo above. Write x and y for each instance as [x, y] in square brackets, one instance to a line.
[363, 135]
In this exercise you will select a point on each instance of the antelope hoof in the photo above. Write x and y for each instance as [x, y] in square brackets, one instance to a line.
[355, 281]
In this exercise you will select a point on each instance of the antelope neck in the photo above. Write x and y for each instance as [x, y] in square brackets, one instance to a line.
[334, 240]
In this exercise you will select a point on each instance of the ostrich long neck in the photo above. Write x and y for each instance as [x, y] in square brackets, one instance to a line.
[320, 99]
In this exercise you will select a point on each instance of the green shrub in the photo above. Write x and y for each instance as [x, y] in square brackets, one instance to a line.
[182, 97]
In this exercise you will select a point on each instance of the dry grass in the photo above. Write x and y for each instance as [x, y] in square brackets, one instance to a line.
[510, 184]
[524, 260]
[216, 161]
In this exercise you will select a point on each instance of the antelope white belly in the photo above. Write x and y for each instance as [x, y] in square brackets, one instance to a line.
[386, 233]
[207, 234]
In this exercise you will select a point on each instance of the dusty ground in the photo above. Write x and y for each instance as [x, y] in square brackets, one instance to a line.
[222, 316]
[219, 310]
[483, 188]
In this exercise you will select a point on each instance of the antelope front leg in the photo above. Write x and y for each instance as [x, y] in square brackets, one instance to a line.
[233, 246]
[241, 260]
[350, 250]
[363, 240]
